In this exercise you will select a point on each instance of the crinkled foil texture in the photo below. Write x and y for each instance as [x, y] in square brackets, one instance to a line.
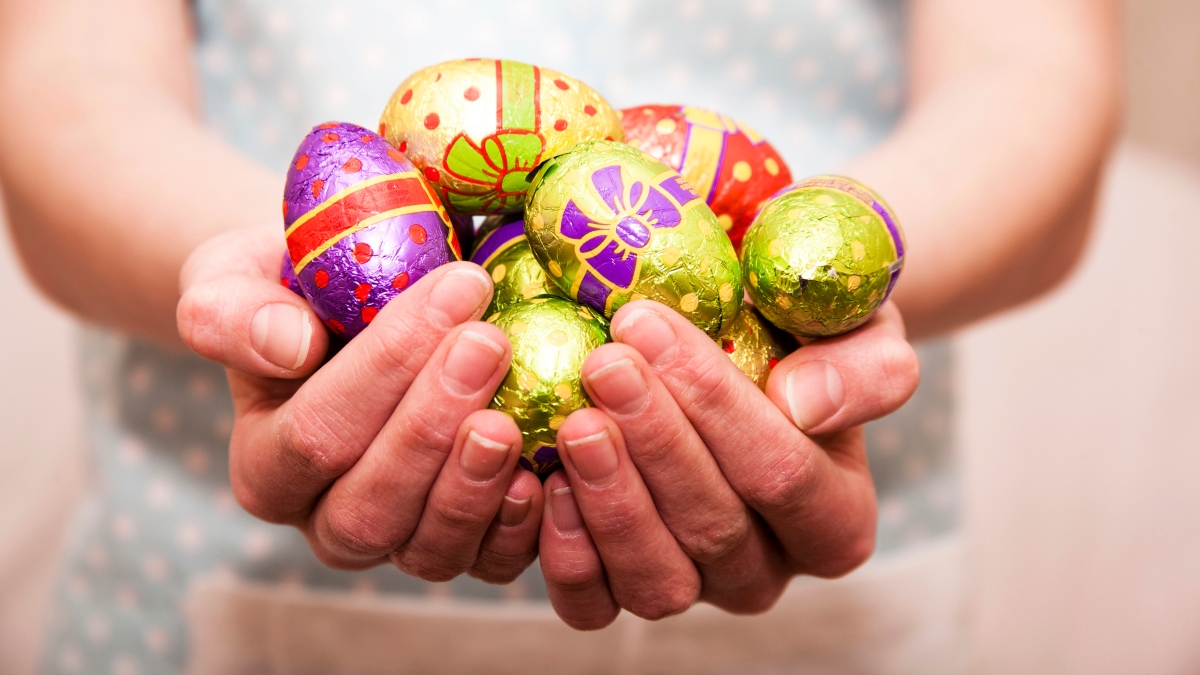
[477, 127]
[504, 253]
[727, 163]
[287, 276]
[612, 224]
[350, 258]
[754, 345]
[550, 339]
[822, 256]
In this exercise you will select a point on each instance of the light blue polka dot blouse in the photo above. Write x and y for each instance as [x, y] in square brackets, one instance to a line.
[822, 79]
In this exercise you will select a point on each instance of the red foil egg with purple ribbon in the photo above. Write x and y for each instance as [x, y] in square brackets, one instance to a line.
[726, 162]
[361, 224]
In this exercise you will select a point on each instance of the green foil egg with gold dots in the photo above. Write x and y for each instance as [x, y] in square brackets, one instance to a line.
[502, 250]
[822, 256]
[612, 224]
[550, 338]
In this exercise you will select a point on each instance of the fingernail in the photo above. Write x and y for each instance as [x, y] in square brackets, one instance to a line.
[482, 458]
[280, 333]
[619, 386]
[513, 511]
[814, 393]
[458, 295]
[470, 362]
[564, 512]
[646, 331]
[594, 457]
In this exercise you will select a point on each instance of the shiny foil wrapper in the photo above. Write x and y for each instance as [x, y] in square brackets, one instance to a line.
[822, 256]
[731, 166]
[287, 276]
[612, 224]
[477, 127]
[361, 224]
[550, 338]
[755, 346]
[504, 253]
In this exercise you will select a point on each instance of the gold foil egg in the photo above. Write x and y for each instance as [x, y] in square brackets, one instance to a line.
[612, 224]
[550, 338]
[504, 253]
[822, 256]
[754, 345]
[477, 127]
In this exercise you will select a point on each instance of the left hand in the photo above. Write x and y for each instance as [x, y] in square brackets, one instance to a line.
[687, 483]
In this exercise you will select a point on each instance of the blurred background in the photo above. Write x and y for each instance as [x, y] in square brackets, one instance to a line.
[1083, 469]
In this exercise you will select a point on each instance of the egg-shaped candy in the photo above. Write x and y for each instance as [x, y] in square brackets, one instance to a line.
[822, 256]
[731, 166]
[754, 345]
[612, 224]
[477, 127]
[287, 275]
[504, 253]
[550, 338]
[361, 224]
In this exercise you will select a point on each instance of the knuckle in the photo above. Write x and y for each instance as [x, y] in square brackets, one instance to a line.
[620, 522]
[457, 516]
[672, 599]
[784, 486]
[496, 567]
[350, 531]
[254, 503]
[392, 355]
[573, 578]
[427, 565]
[428, 436]
[708, 382]
[310, 447]
[753, 601]
[716, 540]
[845, 556]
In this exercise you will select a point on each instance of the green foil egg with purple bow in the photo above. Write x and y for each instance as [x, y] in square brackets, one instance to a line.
[550, 339]
[612, 224]
[822, 256]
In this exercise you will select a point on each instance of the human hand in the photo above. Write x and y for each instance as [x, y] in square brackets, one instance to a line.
[387, 451]
[687, 483]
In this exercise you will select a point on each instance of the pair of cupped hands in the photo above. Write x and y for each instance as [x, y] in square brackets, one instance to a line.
[686, 482]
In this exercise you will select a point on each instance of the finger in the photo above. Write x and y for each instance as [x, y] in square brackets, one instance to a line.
[234, 312]
[845, 381]
[374, 508]
[511, 543]
[571, 566]
[822, 510]
[294, 451]
[648, 572]
[464, 500]
[740, 567]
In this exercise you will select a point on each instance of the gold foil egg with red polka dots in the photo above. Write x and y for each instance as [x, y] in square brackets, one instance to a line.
[731, 166]
[361, 225]
[754, 345]
[477, 127]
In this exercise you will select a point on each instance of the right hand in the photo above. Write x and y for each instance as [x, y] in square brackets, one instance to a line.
[387, 452]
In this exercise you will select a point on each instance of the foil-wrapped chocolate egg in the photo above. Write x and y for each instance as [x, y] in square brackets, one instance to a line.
[504, 253]
[612, 224]
[726, 162]
[754, 345]
[550, 338]
[822, 256]
[287, 276]
[361, 224]
[477, 127]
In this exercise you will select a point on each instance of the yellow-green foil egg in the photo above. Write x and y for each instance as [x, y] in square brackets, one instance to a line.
[550, 338]
[502, 250]
[754, 345]
[822, 256]
[612, 224]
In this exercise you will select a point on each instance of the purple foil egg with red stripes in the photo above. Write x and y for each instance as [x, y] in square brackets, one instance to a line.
[361, 224]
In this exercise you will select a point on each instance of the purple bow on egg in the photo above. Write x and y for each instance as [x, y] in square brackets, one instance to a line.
[608, 244]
